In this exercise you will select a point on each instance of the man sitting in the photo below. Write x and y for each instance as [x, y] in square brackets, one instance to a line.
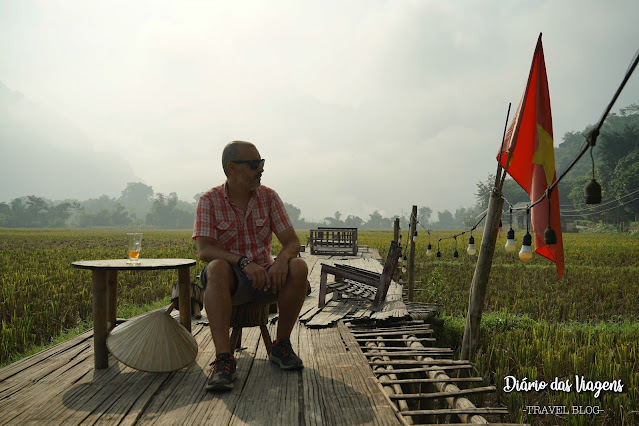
[233, 231]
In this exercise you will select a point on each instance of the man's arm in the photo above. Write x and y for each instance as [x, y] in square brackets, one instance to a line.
[290, 244]
[208, 250]
[290, 249]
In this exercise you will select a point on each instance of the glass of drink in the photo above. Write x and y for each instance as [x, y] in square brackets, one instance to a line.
[135, 242]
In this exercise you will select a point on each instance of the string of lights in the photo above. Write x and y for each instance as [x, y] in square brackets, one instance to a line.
[593, 189]
[471, 250]
[592, 193]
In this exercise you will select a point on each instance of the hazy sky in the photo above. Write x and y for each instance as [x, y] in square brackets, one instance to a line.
[356, 105]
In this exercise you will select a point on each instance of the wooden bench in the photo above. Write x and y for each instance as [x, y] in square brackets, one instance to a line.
[359, 283]
[333, 241]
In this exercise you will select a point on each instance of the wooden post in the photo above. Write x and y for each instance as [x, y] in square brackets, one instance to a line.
[396, 238]
[100, 351]
[184, 286]
[411, 258]
[112, 298]
[480, 278]
[396, 230]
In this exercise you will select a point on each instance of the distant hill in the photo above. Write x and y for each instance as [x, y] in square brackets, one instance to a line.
[44, 153]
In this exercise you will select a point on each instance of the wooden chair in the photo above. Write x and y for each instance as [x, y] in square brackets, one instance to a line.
[249, 315]
[253, 315]
[360, 283]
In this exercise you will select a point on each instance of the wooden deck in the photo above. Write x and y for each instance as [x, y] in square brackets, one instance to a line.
[60, 386]
[338, 386]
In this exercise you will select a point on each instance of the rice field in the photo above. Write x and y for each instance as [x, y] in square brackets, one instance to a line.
[583, 327]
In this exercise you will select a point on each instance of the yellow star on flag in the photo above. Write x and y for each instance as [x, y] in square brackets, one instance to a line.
[545, 154]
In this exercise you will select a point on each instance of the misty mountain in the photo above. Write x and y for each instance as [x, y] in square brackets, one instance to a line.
[43, 153]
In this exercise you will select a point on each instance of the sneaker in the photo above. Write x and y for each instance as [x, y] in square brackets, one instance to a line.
[221, 376]
[282, 354]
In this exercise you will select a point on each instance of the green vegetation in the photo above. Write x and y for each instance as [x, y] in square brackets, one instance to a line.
[535, 325]
[41, 295]
[541, 327]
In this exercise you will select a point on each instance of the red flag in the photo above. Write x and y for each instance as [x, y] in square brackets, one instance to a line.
[528, 147]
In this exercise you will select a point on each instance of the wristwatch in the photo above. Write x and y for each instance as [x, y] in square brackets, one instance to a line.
[242, 262]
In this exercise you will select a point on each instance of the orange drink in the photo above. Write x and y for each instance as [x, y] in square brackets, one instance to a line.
[135, 243]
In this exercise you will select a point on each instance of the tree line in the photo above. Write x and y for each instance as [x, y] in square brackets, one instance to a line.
[616, 159]
[137, 206]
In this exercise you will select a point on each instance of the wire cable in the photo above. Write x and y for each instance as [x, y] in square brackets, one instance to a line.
[592, 136]
[600, 211]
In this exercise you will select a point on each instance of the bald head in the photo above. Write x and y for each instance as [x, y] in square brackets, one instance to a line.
[232, 151]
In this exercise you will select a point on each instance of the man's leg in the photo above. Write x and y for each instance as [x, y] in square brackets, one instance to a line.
[217, 301]
[291, 297]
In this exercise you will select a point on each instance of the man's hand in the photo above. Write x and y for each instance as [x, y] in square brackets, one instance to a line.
[258, 275]
[277, 274]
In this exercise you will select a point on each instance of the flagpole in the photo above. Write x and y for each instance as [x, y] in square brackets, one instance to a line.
[479, 283]
[495, 205]
[501, 150]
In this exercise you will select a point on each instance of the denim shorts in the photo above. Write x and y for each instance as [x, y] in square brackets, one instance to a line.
[244, 291]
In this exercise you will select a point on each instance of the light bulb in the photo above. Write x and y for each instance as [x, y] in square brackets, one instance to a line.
[550, 236]
[471, 250]
[525, 254]
[404, 269]
[592, 192]
[439, 253]
[415, 237]
[429, 251]
[510, 242]
[501, 229]
[455, 253]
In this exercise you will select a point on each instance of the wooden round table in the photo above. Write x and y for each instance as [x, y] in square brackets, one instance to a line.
[105, 293]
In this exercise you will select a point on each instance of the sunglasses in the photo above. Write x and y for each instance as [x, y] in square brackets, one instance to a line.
[253, 164]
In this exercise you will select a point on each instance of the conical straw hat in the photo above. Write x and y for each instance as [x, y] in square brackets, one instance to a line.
[154, 342]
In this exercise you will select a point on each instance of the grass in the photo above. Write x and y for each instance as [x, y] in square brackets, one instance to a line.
[125, 310]
[535, 325]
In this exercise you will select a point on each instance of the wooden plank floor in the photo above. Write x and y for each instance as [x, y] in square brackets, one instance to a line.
[60, 387]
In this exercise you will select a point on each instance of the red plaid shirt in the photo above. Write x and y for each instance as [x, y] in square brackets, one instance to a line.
[248, 233]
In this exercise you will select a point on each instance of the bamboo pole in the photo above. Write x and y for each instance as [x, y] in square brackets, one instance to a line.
[486, 252]
[480, 278]
[459, 402]
[385, 373]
